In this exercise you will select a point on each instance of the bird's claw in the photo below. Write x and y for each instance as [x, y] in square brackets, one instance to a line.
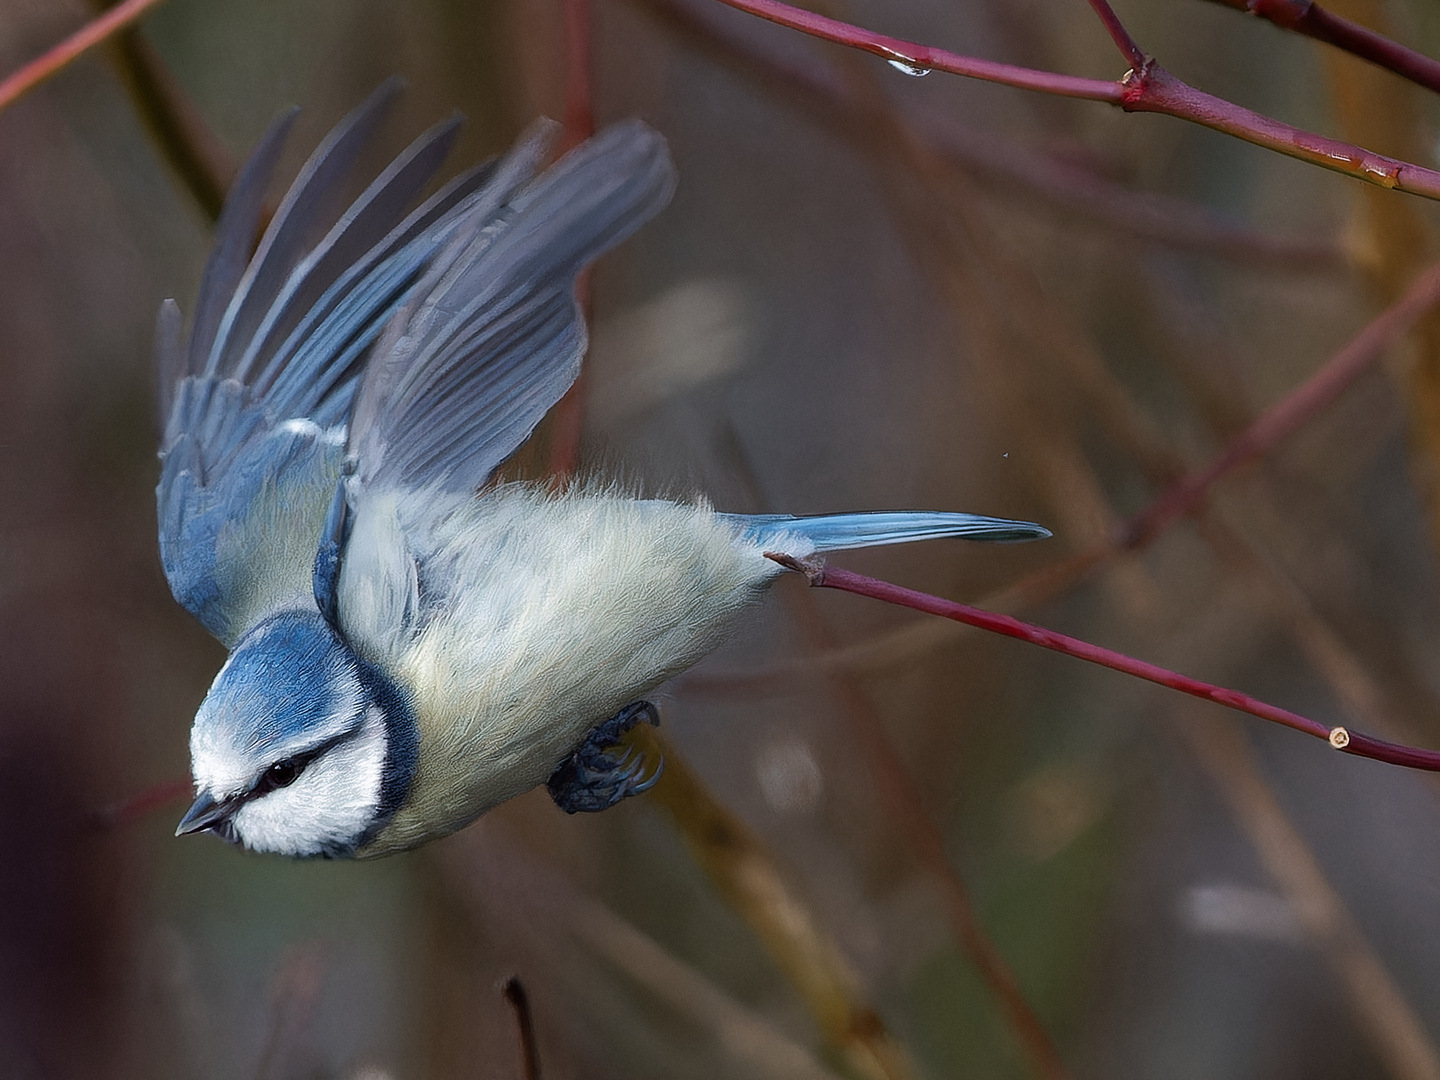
[603, 770]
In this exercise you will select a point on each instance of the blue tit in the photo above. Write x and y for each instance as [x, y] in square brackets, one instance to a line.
[411, 641]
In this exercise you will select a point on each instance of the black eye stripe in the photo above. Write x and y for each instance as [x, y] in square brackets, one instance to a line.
[286, 771]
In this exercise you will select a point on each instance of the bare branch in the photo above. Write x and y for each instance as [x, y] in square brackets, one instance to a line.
[1118, 34]
[1310, 19]
[1292, 411]
[566, 421]
[84, 39]
[1339, 737]
[200, 160]
[915, 59]
[1005, 165]
[1146, 88]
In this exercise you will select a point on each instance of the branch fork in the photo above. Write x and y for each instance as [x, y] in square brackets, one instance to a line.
[1146, 87]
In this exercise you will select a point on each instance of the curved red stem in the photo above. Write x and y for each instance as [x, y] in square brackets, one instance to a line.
[1349, 742]
[1310, 19]
[87, 37]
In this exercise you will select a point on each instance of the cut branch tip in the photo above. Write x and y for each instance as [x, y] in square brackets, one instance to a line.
[813, 567]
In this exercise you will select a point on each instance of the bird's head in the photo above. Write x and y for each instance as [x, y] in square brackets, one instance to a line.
[300, 747]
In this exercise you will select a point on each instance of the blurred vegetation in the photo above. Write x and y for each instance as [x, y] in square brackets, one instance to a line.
[1048, 320]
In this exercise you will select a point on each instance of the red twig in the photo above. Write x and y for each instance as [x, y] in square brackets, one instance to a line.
[923, 58]
[1153, 89]
[1007, 164]
[568, 417]
[87, 37]
[1151, 216]
[579, 107]
[142, 804]
[184, 140]
[1292, 411]
[1310, 19]
[1146, 88]
[822, 576]
[1118, 34]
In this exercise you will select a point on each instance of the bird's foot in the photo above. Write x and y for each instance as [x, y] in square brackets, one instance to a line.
[604, 769]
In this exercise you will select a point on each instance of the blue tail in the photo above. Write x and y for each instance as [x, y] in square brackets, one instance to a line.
[833, 532]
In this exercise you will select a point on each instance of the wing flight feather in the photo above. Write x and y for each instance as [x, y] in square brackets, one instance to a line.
[451, 330]
[255, 403]
[494, 336]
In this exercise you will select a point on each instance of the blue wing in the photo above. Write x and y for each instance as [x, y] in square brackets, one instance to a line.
[254, 404]
[495, 335]
[492, 339]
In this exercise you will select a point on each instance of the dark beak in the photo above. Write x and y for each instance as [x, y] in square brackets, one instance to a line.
[205, 814]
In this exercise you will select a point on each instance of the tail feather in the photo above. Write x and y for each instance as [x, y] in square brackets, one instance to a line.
[835, 532]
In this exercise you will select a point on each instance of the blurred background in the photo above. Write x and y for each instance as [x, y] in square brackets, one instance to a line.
[871, 291]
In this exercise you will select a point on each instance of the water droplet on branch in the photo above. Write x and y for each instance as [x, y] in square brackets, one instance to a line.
[908, 67]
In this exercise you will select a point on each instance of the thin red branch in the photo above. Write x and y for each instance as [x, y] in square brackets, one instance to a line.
[198, 158]
[822, 576]
[992, 158]
[923, 58]
[1310, 19]
[87, 37]
[926, 839]
[579, 104]
[1154, 89]
[1146, 88]
[144, 803]
[568, 416]
[1118, 34]
[1012, 166]
[1292, 411]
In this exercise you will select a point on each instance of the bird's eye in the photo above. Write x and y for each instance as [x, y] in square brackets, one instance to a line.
[281, 774]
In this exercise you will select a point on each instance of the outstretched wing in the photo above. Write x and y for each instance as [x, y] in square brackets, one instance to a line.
[461, 376]
[254, 404]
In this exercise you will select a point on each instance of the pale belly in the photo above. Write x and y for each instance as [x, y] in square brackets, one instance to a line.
[559, 612]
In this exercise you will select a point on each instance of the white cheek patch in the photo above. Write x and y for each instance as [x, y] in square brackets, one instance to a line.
[328, 809]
